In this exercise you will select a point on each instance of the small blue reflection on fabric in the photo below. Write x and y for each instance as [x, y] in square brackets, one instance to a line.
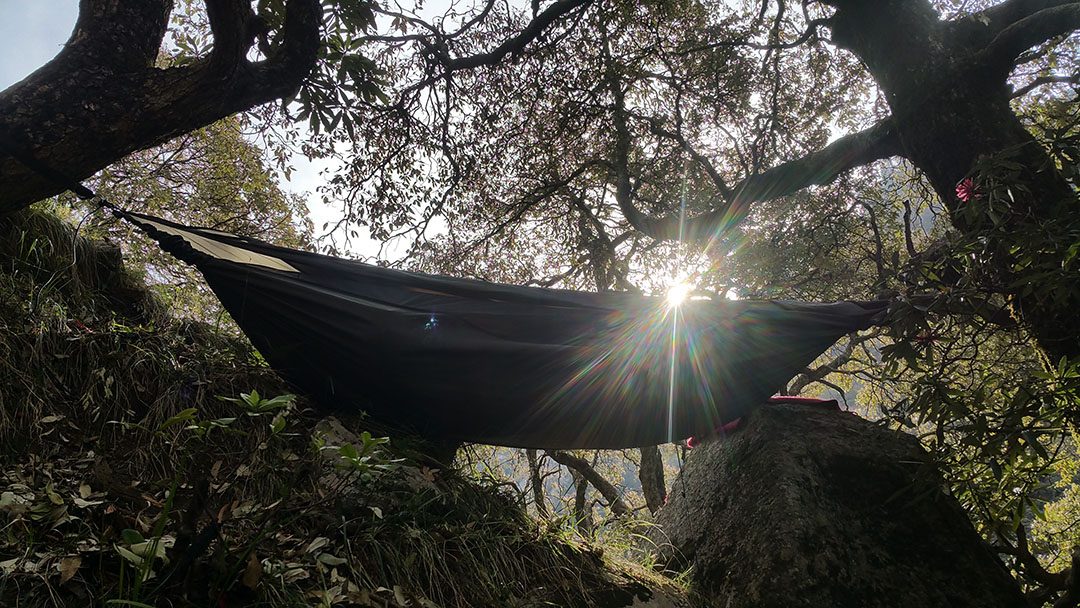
[432, 324]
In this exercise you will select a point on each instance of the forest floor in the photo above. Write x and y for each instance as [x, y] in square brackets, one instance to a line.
[148, 460]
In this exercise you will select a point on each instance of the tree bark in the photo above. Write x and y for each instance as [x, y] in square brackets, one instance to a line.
[102, 97]
[582, 512]
[946, 84]
[808, 506]
[536, 481]
[651, 475]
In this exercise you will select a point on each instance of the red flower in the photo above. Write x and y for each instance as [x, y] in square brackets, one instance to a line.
[965, 190]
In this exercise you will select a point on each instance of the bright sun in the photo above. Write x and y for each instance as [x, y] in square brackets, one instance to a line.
[677, 294]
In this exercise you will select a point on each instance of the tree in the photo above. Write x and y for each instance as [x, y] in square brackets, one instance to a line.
[579, 144]
[619, 145]
[652, 87]
[122, 83]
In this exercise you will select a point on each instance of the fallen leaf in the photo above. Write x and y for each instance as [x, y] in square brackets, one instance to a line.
[399, 596]
[8, 566]
[252, 572]
[317, 544]
[82, 504]
[331, 560]
[68, 566]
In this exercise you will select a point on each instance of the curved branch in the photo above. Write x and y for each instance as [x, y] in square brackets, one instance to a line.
[532, 31]
[583, 468]
[1000, 54]
[1056, 581]
[1045, 80]
[1000, 16]
[817, 168]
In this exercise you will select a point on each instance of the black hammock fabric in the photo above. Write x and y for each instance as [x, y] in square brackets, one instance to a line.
[458, 359]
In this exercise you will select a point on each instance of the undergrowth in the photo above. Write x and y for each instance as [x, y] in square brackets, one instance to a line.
[151, 461]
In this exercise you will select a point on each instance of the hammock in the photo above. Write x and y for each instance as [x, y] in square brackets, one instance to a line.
[465, 360]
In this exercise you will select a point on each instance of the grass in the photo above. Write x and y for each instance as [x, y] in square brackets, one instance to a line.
[127, 480]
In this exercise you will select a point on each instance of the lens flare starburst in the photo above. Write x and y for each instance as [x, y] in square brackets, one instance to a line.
[677, 293]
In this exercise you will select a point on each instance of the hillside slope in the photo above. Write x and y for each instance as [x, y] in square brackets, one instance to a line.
[146, 460]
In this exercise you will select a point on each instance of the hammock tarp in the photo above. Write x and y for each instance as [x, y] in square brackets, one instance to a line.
[456, 359]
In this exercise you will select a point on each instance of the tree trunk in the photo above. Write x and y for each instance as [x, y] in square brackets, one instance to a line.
[582, 512]
[809, 506]
[536, 482]
[946, 84]
[651, 475]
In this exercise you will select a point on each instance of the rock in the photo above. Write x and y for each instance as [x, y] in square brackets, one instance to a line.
[812, 506]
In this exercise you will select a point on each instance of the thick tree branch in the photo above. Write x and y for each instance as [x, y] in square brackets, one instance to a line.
[1000, 16]
[102, 97]
[1000, 55]
[816, 168]
[1045, 80]
[1033, 567]
[101, 20]
[229, 25]
[590, 474]
[1071, 597]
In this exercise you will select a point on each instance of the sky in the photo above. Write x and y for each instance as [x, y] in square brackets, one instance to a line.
[31, 33]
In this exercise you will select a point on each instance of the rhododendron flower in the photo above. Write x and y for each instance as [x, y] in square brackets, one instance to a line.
[965, 190]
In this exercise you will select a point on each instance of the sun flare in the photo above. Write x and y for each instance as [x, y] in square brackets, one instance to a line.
[677, 294]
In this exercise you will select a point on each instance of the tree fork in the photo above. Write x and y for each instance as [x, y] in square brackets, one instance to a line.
[946, 86]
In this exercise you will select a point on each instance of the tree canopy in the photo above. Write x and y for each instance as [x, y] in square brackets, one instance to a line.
[922, 151]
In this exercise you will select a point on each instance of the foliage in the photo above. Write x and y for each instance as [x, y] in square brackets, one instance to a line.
[214, 177]
[506, 170]
[126, 481]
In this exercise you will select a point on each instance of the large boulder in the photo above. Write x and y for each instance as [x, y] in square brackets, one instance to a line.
[807, 505]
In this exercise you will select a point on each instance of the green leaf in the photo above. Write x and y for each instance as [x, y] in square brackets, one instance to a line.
[348, 451]
[182, 416]
[131, 537]
[277, 425]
